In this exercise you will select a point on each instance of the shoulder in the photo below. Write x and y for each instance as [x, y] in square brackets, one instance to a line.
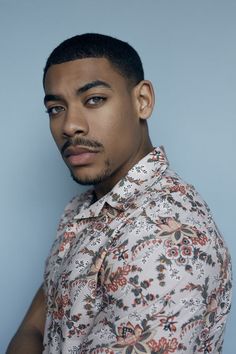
[172, 197]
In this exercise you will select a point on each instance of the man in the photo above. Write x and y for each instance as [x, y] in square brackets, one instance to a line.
[138, 264]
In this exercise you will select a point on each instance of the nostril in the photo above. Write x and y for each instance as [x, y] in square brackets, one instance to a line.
[74, 125]
[72, 133]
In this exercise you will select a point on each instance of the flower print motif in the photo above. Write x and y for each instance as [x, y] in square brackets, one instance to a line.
[212, 307]
[96, 266]
[204, 333]
[128, 334]
[206, 348]
[160, 268]
[152, 204]
[168, 226]
[132, 338]
[185, 241]
[168, 243]
[186, 251]
[98, 226]
[96, 351]
[163, 345]
[189, 268]
[181, 260]
[153, 344]
[200, 239]
[124, 270]
[67, 239]
[172, 252]
[167, 299]
[172, 227]
[104, 271]
[157, 155]
[120, 252]
[118, 278]
[112, 286]
[178, 188]
[168, 324]
[121, 281]
[92, 286]
[62, 302]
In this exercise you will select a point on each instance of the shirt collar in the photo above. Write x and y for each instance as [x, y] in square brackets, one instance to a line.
[141, 176]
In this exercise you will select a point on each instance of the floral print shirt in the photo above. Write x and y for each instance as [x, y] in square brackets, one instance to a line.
[142, 270]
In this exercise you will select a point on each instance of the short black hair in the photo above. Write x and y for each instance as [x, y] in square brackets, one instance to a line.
[120, 54]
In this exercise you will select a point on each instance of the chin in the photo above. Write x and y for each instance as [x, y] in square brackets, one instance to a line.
[92, 177]
[90, 180]
[83, 182]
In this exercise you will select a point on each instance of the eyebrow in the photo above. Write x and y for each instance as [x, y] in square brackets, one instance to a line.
[82, 89]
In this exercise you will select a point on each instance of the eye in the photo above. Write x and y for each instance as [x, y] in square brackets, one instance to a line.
[95, 100]
[52, 111]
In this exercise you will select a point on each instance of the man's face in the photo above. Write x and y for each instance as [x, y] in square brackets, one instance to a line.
[94, 119]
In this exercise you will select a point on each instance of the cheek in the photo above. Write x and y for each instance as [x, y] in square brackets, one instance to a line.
[113, 132]
[114, 121]
[120, 139]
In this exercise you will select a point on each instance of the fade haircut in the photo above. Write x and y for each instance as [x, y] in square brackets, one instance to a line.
[120, 54]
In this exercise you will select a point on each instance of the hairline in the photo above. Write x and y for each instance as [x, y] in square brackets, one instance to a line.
[130, 82]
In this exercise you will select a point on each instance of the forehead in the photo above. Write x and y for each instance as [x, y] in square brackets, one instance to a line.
[80, 72]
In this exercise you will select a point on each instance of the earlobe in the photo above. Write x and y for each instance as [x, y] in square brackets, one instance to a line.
[145, 99]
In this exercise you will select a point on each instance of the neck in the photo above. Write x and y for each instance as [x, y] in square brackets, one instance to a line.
[106, 186]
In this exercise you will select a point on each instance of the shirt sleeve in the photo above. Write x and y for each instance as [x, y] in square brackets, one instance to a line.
[168, 291]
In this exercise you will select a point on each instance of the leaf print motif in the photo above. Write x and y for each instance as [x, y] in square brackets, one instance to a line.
[142, 270]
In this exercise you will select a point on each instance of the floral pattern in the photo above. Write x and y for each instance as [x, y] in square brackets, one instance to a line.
[142, 270]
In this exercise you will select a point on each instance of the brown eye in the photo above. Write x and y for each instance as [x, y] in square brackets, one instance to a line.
[96, 100]
[52, 111]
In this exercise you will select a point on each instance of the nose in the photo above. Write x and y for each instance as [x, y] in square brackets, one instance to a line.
[74, 123]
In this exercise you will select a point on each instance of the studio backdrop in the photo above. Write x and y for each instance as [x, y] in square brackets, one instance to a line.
[188, 50]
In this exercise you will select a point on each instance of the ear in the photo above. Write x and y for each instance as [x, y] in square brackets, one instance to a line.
[144, 99]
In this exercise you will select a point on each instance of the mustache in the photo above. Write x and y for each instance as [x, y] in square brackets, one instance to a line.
[81, 142]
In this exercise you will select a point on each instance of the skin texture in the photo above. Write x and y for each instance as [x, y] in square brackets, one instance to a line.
[29, 337]
[109, 119]
[99, 125]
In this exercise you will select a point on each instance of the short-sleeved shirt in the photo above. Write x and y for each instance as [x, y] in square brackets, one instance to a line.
[142, 270]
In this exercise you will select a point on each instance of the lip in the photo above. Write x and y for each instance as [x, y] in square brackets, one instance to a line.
[78, 156]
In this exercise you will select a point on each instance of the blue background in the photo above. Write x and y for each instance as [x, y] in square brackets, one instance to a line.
[188, 50]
